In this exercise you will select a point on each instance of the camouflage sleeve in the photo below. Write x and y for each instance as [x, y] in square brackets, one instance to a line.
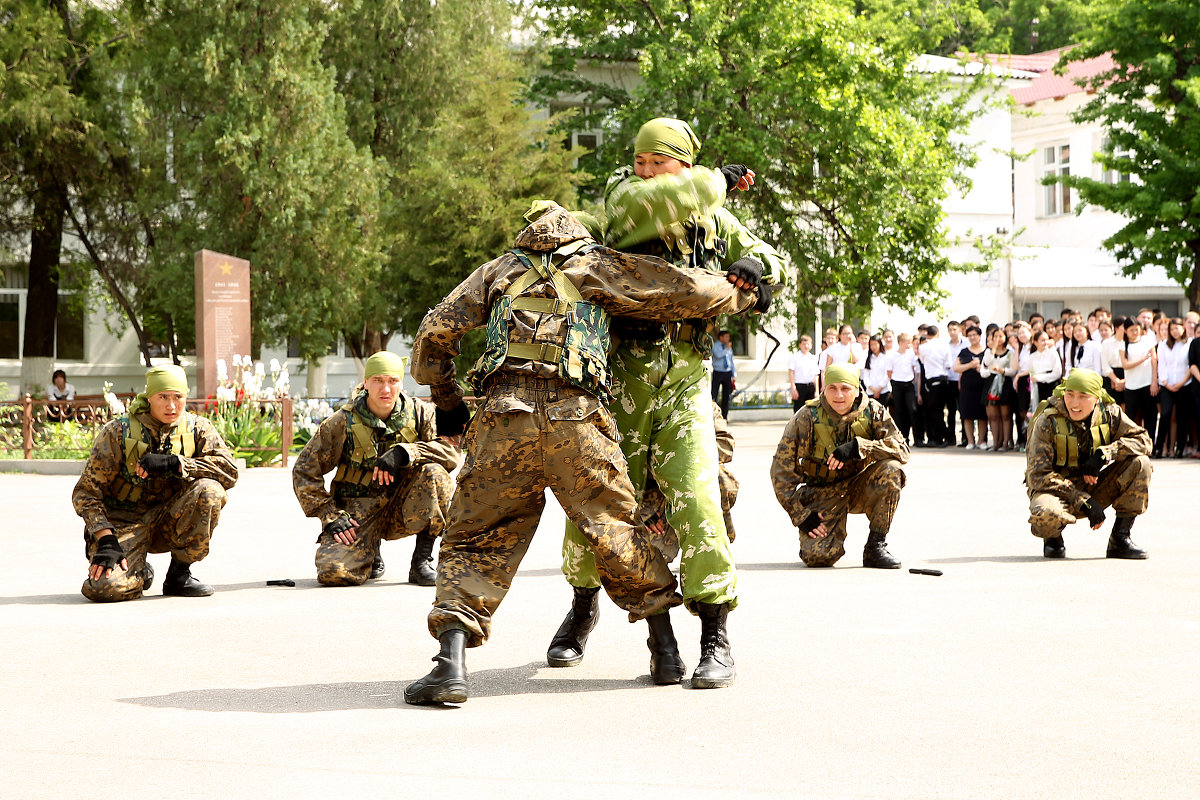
[318, 458]
[725, 440]
[886, 440]
[785, 468]
[1128, 438]
[741, 242]
[439, 338]
[212, 458]
[1040, 476]
[641, 211]
[103, 464]
[429, 448]
[650, 288]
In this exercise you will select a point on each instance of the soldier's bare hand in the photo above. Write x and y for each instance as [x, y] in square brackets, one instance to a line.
[834, 464]
[1091, 480]
[140, 471]
[383, 477]
[657, 525]
[348, 536]
[96, 572]
[819, 532]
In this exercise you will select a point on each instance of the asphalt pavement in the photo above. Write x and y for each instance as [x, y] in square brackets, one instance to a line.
[1008, 676]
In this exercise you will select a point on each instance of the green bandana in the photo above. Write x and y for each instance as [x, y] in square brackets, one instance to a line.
[167, 378]
[1086, 381]
[841, 373]
[384, 363]
[668, 137]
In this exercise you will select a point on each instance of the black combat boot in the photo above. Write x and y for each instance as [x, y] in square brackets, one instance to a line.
[447, 682]
[180, 582]
[875, 553]
[1054, 547]
[566, 649]
[377, 568]
[715, 670]
[666, 665]
[1119, 545]
[421, 571]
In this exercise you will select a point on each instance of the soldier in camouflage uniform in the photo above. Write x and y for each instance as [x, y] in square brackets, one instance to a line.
[667, 206]
[1084, 455]
[541, 423]
[392, 480]
[840, 454]
[154, 482]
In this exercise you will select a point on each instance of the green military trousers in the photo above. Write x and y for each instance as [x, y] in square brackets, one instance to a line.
[664, 414]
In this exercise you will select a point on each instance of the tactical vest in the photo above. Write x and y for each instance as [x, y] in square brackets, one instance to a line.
[823, 441]
[356, 470]
[1067, 455]
[126, 489]
[581, 358]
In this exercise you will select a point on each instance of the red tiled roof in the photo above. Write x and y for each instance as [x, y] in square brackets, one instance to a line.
[1049, 84]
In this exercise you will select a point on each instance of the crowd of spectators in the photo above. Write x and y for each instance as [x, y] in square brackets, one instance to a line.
[977, 386]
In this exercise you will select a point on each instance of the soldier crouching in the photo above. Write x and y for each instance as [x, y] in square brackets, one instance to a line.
[840, 454]
[392, 479]
[542, 423]
[154, 482]
[1085, 455]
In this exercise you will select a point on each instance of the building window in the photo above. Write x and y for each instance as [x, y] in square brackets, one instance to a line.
[68, 339]
[1056, 163]
[1112, 176]
[10, 325]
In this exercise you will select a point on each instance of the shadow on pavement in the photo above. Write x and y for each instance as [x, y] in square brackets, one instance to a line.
[75, 599]
[316, 697]
[1003, 559]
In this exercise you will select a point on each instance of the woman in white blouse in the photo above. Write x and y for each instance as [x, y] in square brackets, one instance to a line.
[1045, 370]
[1138, 359]
[1081, 351]
[875, 372]
[1173, 376]
[998, 369]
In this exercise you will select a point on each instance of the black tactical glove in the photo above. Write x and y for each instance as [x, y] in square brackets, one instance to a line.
[847, 452]
[747, 268]
[1095, 513]
[810, 523]
[342, 523]
[160, 464]
[764, 298]
[733, 175]
[453, 422]
[393, 460]
[1094, 464]
[108, 552]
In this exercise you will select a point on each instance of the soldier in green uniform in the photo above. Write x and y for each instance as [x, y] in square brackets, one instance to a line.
[154, 482]
[840, 454]
[1083, 455]
[542, 423]
[392, 479]
[666, 205]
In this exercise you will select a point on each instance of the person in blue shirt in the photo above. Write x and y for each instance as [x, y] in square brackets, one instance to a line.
[724, 372]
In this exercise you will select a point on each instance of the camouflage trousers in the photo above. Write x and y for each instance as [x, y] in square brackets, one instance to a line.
[531, 434]
[654, 507]
[182, 526]
[664, 414]
[875, 492]
[1125, 486]
[419, 504]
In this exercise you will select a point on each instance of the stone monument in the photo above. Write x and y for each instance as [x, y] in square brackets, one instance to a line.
[222, 315]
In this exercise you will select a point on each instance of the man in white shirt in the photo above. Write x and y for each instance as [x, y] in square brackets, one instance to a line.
[802, 373]
[906, 390]
[935, 362]
[956, 344]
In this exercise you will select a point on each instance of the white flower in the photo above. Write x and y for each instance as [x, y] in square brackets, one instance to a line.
[274, 365]
[222, 370]
[226, 394]
[114, 403]
[259, 369]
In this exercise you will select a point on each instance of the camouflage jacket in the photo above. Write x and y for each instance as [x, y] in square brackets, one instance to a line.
[332, 445]
[636, 286]
[787, 475]
[674, 208]
[1127, 439]
[211, 459]
[725, 441]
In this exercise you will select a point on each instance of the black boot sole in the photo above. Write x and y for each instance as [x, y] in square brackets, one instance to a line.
[712, 683]
[1128, 556]
[667, 676]
[418, 580]
[432, 694]
[881, 566]
[202, 590]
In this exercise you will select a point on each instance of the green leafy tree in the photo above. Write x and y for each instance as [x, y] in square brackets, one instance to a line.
[855, 149]
[1149, 106]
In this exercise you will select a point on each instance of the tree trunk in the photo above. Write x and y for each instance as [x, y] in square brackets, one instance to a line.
[41, 305]
[1193, 289]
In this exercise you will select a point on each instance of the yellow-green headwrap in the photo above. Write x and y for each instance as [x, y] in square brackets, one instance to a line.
[668, 137]
[167, 378]
[841, 373]
[384, 363]
[1086, 381]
